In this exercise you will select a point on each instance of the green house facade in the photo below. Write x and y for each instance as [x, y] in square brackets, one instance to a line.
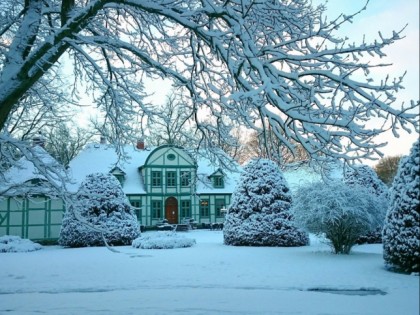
[28, 208]
[36, 217]
[165, 182]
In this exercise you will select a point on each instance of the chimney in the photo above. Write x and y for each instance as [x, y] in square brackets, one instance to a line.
[140, 144]
[103, 140]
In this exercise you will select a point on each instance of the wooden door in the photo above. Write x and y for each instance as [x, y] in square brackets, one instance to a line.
[171, 210]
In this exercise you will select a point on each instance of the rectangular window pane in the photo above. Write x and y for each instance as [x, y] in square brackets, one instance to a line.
[156, 209]
[220, 204]
[204, 208]
[185, 178]
[170, 179]
[137, 208]
[185, 209]
[218, 182]
[156, 179]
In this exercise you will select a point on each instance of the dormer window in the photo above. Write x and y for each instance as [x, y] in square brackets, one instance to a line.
[218, 182]
[119, 174]
[120, 178]
[217, 179]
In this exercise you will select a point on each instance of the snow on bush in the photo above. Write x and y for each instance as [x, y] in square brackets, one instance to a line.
[259, 214]
[15, 244]
[162, 240]
[401, 234]
[365, 176]
[339, 212]
[103, 207]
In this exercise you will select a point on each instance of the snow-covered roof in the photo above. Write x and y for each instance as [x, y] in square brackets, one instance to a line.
[103, 158]
[205, 186]
[17, 179]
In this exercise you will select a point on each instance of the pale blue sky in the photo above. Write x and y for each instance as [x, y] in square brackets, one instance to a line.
[386, 16]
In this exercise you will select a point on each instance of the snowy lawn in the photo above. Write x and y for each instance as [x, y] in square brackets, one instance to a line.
[208, 278]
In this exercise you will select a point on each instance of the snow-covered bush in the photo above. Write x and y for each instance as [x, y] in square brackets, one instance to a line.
[338, 211]
[365, 176]
[259, 214]
[162, 240]
[401, 234]
[15, 244]
[100, 207]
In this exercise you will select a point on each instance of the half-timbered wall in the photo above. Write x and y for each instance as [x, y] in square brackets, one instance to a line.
[34, 218]
[169, 172]
[167, 189]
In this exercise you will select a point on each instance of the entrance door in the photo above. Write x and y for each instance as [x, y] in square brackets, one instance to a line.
[171, 210]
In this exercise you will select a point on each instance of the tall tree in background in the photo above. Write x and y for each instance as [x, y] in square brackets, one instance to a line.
[64, 143]
[387, 168]
[267, 65]
[173, 124]
[39, 110]
[267, 145]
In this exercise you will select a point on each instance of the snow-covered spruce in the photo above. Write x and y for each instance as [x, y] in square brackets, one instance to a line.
[259, 214]
[101, 203]
[162, 240]
[365, 176]
[15, 244]
[341, 212]
[401, 233]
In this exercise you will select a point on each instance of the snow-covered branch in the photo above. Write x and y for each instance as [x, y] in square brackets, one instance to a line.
[274, 65]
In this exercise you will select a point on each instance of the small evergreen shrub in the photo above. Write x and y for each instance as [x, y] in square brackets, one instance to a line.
[100, 209]
[260, 212]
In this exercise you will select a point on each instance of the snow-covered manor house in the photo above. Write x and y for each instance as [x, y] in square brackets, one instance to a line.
[162, 182]
[165, 182]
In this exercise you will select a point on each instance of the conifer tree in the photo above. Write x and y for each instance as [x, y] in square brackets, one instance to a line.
[101, 210]
[401, 234]
[260, 212]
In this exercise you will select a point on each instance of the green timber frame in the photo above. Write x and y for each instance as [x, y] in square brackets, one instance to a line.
[170, 180]
[36, 218]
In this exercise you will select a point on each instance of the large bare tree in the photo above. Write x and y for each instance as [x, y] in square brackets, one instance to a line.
[269, 64]
[172, 124]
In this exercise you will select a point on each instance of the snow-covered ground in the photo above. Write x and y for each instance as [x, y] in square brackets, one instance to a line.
[208, 278]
